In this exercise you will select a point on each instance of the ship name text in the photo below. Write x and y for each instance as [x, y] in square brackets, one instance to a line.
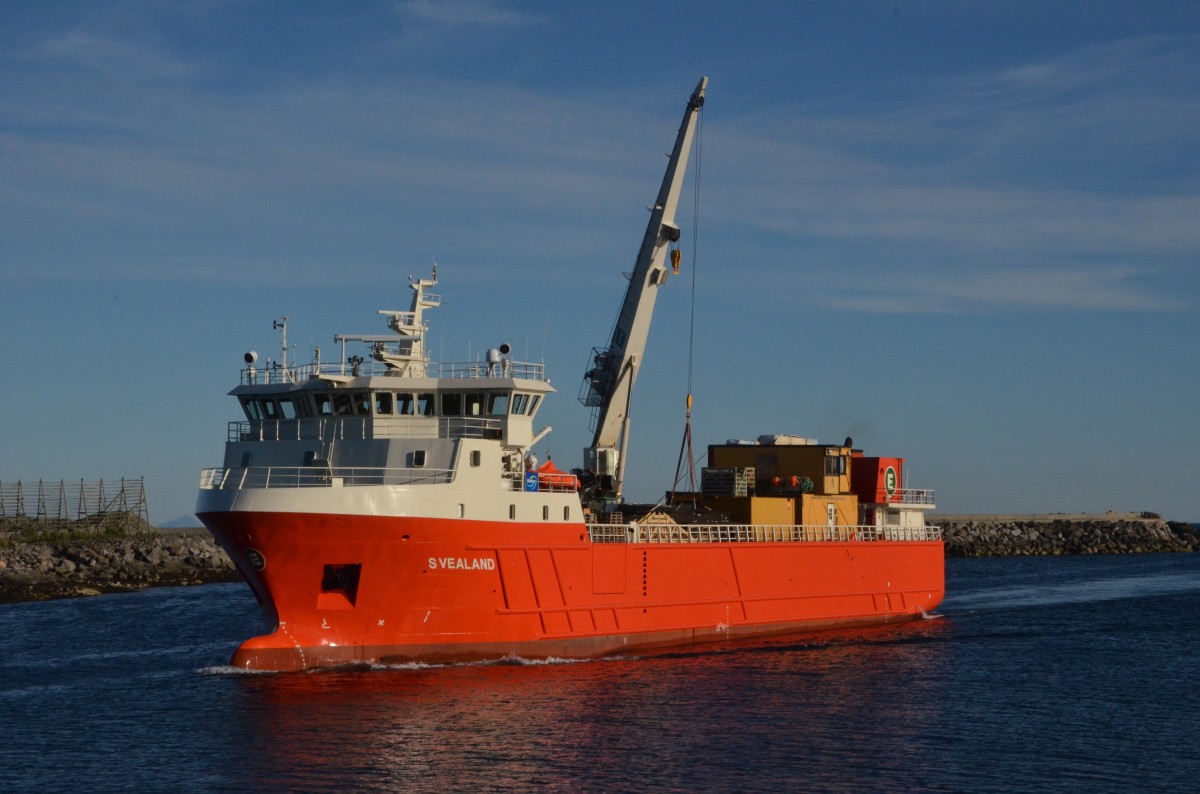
[462, 564]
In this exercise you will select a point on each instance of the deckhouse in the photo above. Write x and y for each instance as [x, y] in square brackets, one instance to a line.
[394, 419]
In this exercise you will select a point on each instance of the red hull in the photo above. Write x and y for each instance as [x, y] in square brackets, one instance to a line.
[447, 590]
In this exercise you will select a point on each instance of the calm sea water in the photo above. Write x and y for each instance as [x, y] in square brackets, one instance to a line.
[1045, 674]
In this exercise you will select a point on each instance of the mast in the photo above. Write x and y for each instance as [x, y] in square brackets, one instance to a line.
[614, 369]
[406, 353]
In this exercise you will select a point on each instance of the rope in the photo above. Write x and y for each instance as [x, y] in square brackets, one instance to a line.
[685, 446]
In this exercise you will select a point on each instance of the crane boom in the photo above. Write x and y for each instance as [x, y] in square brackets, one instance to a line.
[614, 369]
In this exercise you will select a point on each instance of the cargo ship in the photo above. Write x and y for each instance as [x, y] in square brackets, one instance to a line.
[387, 508]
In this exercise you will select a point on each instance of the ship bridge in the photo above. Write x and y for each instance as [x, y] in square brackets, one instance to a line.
[391, 410]
[476, 399]
[396, 393]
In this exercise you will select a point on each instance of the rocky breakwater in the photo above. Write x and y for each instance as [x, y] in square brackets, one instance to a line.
[70, 567]
[1100, 533]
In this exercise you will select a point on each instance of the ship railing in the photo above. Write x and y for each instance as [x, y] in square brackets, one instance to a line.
[363, 427]
[525, 370]
[911, 496]
[277, 375]
[319, 477]
[274, 430]
[469, 427]
[756, 533]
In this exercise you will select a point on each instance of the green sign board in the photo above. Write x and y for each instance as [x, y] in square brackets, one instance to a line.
[889, 481]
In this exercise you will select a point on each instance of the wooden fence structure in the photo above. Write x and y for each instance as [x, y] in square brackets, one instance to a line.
[86, 507]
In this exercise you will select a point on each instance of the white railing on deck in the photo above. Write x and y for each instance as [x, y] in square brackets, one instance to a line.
[911, 496]
[754, 533]
[318, 477]
[362, 427]
[434, 369]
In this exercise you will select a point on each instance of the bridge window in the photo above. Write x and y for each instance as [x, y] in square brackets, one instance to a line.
[362, 403]
[269, 408]
[253, 412]
[519, 403]
[342, 404]
[835, 464]
[425, 405]
[498, 404]
[452, 404]
[474, 405]
[287, 408]
[533, 403]
[383, 403]
[324, 403]
[405, 403]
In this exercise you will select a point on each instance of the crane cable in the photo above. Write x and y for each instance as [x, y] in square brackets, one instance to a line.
[685, 447]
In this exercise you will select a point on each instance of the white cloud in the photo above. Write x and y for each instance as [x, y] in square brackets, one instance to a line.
[1103, 288]
[995, 192]
[480, 13]
[938, 186]
[108, 56]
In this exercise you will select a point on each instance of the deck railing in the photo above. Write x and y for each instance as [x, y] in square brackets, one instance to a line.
[275, 374]
[754, 533]
[319, 477]
[363, 427]
[911, 496]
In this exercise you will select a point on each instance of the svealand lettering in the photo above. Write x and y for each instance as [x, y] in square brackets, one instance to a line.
[462, 564]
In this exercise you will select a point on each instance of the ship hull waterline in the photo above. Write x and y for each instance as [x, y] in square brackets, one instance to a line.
[349, 589]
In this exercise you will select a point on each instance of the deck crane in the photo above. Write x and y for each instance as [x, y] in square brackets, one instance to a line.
[608, 383]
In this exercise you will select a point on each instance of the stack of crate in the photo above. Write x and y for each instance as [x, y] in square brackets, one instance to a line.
[727, 482]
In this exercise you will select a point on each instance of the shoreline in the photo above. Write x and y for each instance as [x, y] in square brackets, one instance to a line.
[73, 567]
[1057, 534]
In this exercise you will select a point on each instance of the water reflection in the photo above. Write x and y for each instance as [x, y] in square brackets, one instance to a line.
[666, 720]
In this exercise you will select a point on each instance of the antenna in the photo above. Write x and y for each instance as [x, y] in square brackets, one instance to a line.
[281, 324]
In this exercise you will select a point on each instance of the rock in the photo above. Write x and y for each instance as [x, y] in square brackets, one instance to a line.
[1114, 533]
[34, 570]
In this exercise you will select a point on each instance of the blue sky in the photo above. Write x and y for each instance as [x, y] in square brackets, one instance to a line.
[963, 233]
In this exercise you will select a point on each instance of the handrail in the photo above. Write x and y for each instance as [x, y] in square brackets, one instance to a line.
[319, 477]
[912, 496]
[469, 427]
[275, 374]
[341, 427]
[756, 533]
